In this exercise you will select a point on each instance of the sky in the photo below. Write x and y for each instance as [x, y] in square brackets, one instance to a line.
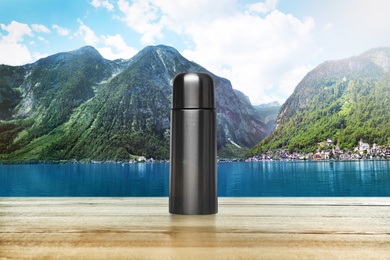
[264, 48]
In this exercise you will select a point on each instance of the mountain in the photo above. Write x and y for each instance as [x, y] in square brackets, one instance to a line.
[344, 100]
[268, 113]
[78, 105]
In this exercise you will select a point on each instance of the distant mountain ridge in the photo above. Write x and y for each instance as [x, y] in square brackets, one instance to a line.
[268, 113]
[78, 105]
[344, 100]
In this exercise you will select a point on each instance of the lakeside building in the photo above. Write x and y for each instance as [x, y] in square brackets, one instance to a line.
[332, 152]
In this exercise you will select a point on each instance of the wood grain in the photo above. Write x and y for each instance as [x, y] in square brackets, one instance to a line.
[244, 228]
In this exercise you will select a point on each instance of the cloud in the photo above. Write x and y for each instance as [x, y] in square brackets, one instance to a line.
[39, 28]
[110, 46]
[115, 48]
[261, 50]
[328, 27]
[61, 30]
[14, 54]
[16, 32]
[348, 28]
[87, 34]
[12, 51]
[260, 56]
[143, 17]
[103, 3]
[263, 7]
[189, 12]
[38, 55]
[42, 39]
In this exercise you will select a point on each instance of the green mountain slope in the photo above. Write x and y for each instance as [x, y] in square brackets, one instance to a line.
[77, 105]
[345, 100]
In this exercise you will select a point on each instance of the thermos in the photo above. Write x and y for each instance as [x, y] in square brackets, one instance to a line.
[193, 167]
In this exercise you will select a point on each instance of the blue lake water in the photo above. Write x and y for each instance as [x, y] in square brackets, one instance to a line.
[235, 179]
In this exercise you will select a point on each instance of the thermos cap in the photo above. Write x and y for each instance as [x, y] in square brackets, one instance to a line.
[193, 90]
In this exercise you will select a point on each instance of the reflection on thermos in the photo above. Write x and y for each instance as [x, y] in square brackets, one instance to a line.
[193, 169]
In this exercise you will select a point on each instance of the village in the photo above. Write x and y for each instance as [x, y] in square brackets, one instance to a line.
[329, 151]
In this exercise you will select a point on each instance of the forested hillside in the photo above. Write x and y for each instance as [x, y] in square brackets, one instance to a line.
[79, 106]
[345, 100]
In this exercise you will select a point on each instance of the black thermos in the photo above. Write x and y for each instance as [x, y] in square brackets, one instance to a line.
[193, 166]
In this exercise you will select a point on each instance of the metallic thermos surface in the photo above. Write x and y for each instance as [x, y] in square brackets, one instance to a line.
[193, 168]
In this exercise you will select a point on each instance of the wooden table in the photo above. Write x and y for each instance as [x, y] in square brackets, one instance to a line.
[244, 228]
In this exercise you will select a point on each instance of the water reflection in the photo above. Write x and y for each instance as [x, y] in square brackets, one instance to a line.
[84, 180]
[349, 178]
[346, 178]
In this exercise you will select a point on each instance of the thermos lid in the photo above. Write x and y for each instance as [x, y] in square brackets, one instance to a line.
[193, 90]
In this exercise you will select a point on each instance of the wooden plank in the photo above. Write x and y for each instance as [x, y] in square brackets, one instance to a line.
[244, 228]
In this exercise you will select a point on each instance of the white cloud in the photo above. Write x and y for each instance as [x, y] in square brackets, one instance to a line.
[87, 34]
[262, 57]
[42, 39]
[143, 17]
[348, 28]
[110, 46]
[263, 7]
[12, 50]
[61, 30]
[14, 54]
[328, 27]
[115, 48]
[372, 21]
[16, 32]
[188, 11]
[39, 28]
[38, 55]
[103, 3]
[150, 17]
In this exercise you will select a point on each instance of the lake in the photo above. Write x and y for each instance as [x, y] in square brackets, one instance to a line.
[235, 179]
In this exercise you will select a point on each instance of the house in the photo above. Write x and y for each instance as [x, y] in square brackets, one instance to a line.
[355, 156]
[325, 155]
[317, 156]
[344, 156]
[309, 156]
[375, 149]
[363, 146]
[336, 150]
[141, 159]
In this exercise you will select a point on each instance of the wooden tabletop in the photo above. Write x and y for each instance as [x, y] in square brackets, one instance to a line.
[244, 228]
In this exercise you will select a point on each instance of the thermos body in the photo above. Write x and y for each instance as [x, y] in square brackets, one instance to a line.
[193, 169]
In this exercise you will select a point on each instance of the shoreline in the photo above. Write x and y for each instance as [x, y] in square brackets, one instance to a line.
[239, 160]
